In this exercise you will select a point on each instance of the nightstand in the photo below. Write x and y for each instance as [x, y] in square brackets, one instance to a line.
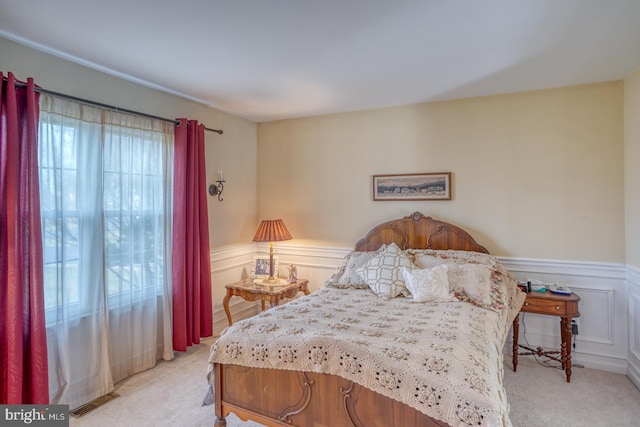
[251, 290]
[547, 303]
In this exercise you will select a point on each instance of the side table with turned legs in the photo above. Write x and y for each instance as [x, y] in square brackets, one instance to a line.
[251, 290]
[547, 303]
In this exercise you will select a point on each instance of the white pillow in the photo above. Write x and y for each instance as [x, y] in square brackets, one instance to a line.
[427, 285]
[474, 277]
[345, 276]
[350, 275]
[382, 272]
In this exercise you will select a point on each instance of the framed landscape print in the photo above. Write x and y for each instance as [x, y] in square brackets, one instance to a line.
[415, 186]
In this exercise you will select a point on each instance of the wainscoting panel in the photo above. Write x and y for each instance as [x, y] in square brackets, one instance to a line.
[230, 264]
[606, 305]
[314, 263]
[603, 323]
[633, 279]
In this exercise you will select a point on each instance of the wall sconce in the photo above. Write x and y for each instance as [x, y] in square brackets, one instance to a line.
[217, 189]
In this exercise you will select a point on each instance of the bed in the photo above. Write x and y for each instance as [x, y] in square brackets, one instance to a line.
[382, 343]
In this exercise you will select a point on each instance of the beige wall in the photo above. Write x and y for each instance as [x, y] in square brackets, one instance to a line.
[232, 221]
[632, 169]
[535, 174]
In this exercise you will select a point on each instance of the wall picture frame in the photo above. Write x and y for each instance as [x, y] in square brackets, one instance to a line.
[412, 186]
[260, 267]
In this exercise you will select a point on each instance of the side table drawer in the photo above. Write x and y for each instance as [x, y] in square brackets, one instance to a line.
[542, 306]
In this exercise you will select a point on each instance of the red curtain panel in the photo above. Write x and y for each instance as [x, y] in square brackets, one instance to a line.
[23, 342]
[192, 304]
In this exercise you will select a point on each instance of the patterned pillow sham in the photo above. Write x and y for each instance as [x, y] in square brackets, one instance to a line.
[426, 258]
[382, 272]
[428, 285]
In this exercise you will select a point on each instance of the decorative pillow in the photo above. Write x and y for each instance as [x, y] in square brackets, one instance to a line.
[351, 278]
[427, 258]
[427, 285]
[345, 276]
[382, 272]
[333, 280]
[478, 284]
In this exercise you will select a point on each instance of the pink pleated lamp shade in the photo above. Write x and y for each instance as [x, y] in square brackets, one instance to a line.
[272, 230]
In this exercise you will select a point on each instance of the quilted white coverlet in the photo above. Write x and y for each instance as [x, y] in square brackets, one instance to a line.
[443, 359]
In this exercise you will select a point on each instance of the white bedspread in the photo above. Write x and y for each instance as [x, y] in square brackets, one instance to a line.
[443, 359]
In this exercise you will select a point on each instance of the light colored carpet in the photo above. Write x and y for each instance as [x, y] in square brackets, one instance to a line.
[171, 395]
[540, 396]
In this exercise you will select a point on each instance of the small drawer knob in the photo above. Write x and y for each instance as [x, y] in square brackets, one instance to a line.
[557, 307]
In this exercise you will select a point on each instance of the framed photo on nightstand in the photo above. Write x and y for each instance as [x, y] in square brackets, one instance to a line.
[260, 267]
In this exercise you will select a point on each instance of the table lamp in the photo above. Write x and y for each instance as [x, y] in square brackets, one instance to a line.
[271, 230]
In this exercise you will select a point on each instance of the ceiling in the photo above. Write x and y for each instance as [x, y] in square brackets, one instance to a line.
[273, 59]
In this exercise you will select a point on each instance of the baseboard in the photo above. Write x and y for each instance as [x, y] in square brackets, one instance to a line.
[610, 364]
[603, 363]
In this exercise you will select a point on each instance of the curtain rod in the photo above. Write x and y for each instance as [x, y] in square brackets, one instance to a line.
[109, 107]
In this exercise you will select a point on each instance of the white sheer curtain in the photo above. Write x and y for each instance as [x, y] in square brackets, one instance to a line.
[106, 182]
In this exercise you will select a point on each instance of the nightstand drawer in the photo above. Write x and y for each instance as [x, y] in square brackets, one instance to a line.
[551, 304]
[545, 306]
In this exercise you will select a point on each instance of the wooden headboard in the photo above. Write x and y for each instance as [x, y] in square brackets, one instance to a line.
[417, 231]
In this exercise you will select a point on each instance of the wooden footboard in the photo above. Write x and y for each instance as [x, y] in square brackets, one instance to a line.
[283, 398]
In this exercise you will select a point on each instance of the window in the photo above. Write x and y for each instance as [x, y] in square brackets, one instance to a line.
[131, 215]
[105, 200]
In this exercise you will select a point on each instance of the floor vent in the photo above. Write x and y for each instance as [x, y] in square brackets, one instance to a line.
[86, 408]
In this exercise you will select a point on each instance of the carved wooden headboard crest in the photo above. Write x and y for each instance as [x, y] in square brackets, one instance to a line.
[417, 231]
